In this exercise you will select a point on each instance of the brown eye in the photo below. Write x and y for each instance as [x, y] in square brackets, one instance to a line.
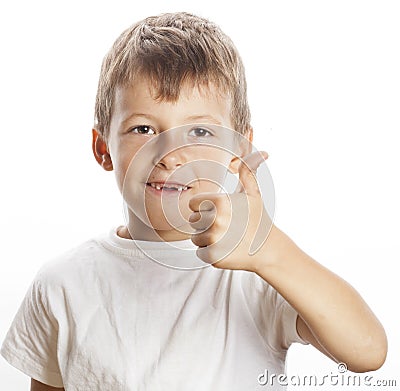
[143, 129]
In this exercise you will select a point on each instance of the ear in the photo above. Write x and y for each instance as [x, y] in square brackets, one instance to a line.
[246, 148]
[100, 151]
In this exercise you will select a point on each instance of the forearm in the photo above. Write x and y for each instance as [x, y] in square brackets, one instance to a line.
[338, 318]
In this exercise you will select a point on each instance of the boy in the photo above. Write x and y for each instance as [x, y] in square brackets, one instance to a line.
[106, 317]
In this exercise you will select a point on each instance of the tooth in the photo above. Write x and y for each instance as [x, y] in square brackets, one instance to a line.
[180, 188]
[158, 187]
[185, 187]
[152, 185]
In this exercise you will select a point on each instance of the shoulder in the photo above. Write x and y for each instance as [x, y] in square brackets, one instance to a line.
[72, 262]
[73, 278]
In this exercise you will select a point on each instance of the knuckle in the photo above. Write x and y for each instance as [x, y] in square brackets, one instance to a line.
[193, 203]
[194, 217]
[196, 239]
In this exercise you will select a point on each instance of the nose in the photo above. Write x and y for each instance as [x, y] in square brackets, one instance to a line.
[170, 161]
[170, 149]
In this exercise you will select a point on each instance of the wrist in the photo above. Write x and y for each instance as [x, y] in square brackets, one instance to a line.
[275, 250]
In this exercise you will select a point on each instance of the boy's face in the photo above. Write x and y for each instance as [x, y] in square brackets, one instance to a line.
[163, 153]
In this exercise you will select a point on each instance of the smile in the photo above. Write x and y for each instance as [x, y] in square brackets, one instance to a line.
[168, 186]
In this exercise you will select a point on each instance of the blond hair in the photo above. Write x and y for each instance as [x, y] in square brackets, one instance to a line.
[169, 50]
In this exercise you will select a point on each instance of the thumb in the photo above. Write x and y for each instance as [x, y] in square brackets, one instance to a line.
[247, 172]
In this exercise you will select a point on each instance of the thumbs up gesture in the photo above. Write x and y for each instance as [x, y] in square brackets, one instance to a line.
[231, 229]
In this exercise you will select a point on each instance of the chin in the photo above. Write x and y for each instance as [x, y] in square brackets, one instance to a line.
[166, 230]
[164, 220]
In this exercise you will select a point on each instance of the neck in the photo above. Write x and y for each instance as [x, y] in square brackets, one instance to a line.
[137, 230]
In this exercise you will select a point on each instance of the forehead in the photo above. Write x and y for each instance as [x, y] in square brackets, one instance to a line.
[141, 97]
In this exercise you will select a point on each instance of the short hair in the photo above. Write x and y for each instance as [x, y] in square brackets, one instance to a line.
[172, 49]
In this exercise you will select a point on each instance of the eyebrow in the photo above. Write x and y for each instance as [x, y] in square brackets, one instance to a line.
[199, 118]
[203, 117]
[142, 115]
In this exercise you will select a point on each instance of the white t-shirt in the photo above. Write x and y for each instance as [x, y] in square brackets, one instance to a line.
[106, 316]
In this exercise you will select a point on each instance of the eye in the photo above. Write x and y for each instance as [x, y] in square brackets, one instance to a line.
[142, 129]
[200, 132]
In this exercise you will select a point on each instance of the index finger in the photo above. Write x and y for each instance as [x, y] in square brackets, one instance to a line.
[202, 202]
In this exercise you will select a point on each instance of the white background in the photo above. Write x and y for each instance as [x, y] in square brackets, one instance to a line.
[324, 88]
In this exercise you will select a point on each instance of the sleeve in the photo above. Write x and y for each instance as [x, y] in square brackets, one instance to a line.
[285, 320]
[31, 342]
[275, 318]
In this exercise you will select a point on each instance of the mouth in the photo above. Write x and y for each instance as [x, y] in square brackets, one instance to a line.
[168, 186]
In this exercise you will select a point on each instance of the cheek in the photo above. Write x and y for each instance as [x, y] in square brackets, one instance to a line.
[213, 168]
[121, 163]
[215, 154]
[126, 159]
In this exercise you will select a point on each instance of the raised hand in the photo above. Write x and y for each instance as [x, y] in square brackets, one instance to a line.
[232, 228]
